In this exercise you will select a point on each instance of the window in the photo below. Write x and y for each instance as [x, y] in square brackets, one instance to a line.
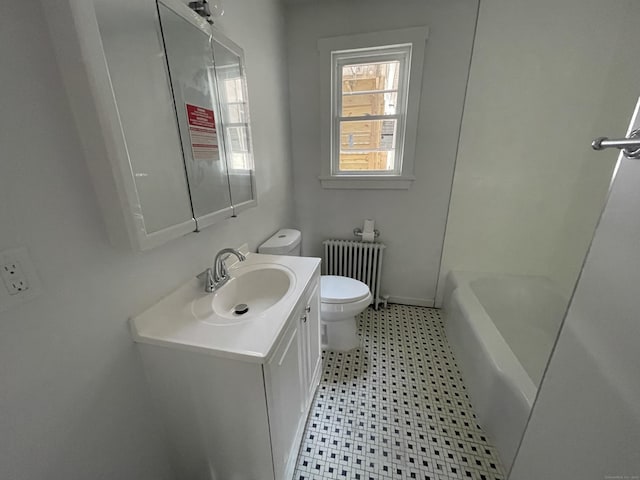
[370, 98]
[232, 97]
[370, 108]
[237, 127]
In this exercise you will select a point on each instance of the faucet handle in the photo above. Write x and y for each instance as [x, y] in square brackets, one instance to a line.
[204, 275]
[207, 280]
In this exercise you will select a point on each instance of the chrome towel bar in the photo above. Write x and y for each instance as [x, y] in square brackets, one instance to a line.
[630, 146]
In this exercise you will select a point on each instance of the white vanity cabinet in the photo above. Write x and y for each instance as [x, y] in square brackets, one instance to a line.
[234, 418]
[291, 377]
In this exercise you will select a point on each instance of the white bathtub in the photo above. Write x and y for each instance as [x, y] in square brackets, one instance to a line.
[502, 329]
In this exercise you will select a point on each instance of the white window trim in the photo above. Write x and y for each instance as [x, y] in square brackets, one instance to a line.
[416, 36]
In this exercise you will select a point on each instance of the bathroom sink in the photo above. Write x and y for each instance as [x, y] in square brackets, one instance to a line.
[251, 291]
[272, 287]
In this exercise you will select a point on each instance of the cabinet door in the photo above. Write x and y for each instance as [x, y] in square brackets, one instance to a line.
[311, 352]
[109, 53]
[189, 55]
[236, 129]
[285, 399]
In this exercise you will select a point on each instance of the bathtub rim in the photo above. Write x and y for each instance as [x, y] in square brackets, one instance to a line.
[504, 360]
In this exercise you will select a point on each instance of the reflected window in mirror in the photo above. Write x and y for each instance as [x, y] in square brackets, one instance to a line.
[234, 108]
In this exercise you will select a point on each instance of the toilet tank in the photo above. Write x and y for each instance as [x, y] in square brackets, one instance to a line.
[284, 242]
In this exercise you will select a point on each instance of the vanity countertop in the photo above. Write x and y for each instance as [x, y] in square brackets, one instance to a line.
[172, 322]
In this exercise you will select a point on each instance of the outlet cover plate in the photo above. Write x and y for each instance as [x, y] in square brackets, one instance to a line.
[21, 258]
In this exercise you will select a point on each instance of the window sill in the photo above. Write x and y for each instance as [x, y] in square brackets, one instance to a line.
[370, 182]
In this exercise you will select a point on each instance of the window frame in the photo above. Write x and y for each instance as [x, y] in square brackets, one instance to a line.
[361, 48]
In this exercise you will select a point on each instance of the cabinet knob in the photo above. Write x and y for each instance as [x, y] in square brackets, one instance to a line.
[307, 309]
[303, 318]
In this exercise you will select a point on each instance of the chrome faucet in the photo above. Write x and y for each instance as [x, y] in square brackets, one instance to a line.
[216, 276]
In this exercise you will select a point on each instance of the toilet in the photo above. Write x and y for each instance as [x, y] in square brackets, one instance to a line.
[341, 298]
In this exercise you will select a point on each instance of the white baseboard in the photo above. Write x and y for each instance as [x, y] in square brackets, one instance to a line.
[416, 302]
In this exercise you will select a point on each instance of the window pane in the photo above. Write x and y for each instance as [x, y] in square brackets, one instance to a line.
[232, 88]
[367, 145]
[234, 112]
[361, 104]
[366, 77]
[238, 147]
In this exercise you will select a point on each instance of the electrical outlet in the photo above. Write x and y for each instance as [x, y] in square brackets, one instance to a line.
[20, 282]
[14, 277]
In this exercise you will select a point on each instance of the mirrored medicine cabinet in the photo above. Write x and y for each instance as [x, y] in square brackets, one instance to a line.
[210, 99]
[161, 104]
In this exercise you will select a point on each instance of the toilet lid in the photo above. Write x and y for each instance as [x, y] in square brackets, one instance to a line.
[334, 289]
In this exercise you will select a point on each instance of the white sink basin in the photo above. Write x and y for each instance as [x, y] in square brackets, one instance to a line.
[193, 320]
[254, 288]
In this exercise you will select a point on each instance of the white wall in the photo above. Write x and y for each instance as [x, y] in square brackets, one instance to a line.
[585, 423]
[546, 78]
[73, 403]
[411, 222]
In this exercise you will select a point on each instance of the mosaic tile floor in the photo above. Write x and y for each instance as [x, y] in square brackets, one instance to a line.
[396, 408]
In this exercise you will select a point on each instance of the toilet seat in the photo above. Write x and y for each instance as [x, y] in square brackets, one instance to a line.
[340, 290]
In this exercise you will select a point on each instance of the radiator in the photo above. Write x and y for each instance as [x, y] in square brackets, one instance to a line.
[354, 259]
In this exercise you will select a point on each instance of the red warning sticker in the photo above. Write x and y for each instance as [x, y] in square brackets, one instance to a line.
[202, 131]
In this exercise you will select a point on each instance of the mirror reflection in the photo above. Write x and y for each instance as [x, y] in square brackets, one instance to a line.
[192, 74]
[206, 71]
[234, 109]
